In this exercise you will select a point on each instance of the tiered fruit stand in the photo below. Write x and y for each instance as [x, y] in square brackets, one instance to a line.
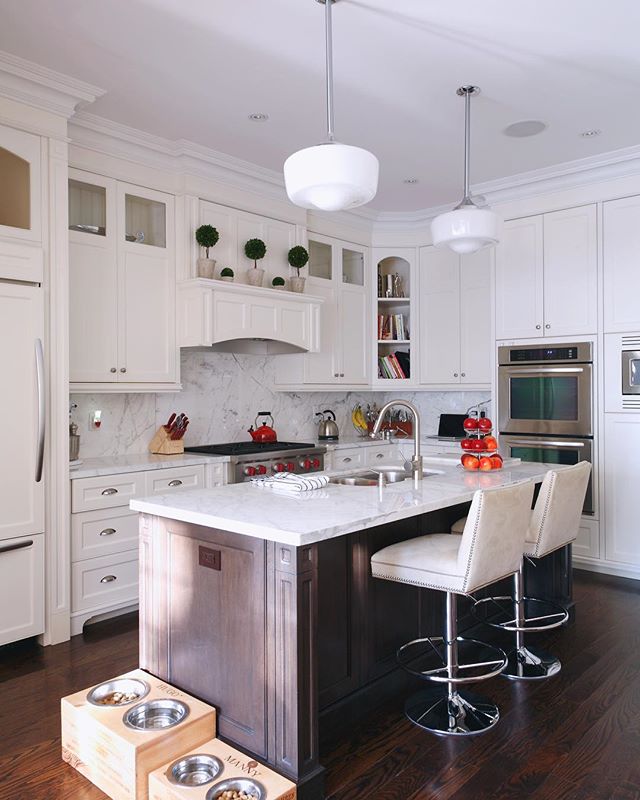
[480, 446]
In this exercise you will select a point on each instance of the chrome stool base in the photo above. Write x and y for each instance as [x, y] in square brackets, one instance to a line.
[455, 714]
[531, 664]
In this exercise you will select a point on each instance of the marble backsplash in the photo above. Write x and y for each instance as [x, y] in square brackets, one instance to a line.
[221, 396]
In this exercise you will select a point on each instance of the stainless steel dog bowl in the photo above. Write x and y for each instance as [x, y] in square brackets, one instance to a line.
[155, 715]
[194, 770]
[125, 685]
[240, 785]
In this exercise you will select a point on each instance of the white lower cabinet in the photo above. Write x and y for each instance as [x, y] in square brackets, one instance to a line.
[104, 534]
[622, 502]
[587, 543]
[21, 588]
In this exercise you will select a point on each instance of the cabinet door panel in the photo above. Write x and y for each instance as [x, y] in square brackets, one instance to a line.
[22, 580]
[622, 440]
[322, 367]
[519, 279]
[475, 318]
[21, 324]
[353, 329]
[570, 272]
[439, 285]
[621, 238]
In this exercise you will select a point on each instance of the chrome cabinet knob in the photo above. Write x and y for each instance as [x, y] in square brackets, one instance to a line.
[547, 326]
[455, 374]
[113, 369]
[123, 369]
[463, 374]
[336, 375]
[538, 327]
[342, 374]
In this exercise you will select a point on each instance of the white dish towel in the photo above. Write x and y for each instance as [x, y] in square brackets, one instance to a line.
[288, 482]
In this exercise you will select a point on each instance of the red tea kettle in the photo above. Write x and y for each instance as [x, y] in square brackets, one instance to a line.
[264, 433]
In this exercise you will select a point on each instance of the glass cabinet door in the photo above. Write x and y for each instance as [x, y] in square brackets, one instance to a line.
[145, 221]
[320, 260]
[20, 190]
[353, 266]
[87, 208]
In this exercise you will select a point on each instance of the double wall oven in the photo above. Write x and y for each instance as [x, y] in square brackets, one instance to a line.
[545, 403]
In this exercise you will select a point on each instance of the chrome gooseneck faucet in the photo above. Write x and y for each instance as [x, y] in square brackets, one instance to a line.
[416, 461]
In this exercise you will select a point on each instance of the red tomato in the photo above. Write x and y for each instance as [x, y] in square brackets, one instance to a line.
[466, 444]
[470, 424]
[485, 424]
[496, 462]
[479, 445]
[470, 461]
[491, 442]
[485, 464]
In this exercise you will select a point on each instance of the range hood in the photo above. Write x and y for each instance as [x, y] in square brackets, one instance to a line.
[237, 318]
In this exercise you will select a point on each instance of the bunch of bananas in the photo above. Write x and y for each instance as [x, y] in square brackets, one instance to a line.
[358, 419]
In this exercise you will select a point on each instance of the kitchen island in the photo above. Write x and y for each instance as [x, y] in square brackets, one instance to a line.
[262, 603]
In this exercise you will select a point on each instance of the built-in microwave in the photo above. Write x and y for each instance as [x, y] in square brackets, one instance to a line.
[631, 372]
[546, 389]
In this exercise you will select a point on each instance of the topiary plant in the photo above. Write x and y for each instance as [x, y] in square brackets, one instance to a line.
[278, 281]
[227, 272]
[298, 257]
[207, 236]
[255, 249]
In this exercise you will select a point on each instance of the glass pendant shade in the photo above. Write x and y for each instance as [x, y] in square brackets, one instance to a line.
[466, 230]
[331, 177]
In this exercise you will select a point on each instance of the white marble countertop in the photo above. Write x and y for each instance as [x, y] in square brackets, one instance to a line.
[330, 512]
[139, 462]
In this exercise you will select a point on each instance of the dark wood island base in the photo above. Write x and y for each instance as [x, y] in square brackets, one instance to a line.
[280, 638]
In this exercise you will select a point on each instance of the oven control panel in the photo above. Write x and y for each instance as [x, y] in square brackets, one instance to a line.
[581, 352]
[272, 466]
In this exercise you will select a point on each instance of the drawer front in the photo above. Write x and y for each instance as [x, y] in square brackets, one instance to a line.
[349, 458]
[111, 491]
[101, 533]
[215, 475]
[101, 581]
[382, 454]
[22, 582]
[164, 481]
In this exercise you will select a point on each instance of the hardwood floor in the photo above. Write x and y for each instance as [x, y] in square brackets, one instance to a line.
[576, 736]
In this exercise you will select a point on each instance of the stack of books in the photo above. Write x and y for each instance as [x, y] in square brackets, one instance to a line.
[392, 327]
[389, 367]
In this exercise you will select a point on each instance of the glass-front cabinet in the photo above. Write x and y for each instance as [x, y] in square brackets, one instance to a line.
[20, 185]
[122, 284]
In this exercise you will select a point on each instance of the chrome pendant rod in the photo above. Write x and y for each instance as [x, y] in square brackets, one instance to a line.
[329, 70]
[467, 92]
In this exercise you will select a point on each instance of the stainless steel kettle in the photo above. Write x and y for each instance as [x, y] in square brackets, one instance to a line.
[327, 427]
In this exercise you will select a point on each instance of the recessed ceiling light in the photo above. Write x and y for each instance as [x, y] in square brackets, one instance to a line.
[410, 180]
[258, 117]
[592, 132]
[527, 127]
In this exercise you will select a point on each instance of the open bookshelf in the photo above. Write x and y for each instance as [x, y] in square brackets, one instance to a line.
[393, 319]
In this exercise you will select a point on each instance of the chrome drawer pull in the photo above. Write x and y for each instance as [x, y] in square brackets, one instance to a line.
[175, 482]
[107, 532]
[380, 455]
[108, 579]
[109, 491]
[19, 546]
[346, 460]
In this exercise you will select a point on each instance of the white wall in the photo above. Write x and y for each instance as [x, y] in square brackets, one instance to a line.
[221, 396]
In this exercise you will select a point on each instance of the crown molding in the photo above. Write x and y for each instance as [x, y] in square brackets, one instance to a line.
[42, 88]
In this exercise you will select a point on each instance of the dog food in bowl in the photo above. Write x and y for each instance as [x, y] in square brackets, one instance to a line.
[236, 789]
[119, 692]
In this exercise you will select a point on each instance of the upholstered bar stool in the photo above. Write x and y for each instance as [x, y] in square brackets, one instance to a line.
[490, 548]
[553, 524]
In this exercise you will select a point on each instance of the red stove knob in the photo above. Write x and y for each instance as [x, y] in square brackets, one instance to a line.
[278, 468]
[249, 471]
[316, 463]
[291, 466]
[262, 470]
[305, 463]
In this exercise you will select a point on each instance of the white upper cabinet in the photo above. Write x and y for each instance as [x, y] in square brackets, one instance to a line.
[546, 275]
[455, 318]
[20, 187]
[122, 285]
[337, 271]
[621, 239]
[519, 280]
[570, 272]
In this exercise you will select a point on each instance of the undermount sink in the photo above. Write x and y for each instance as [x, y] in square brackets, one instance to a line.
[370, 478]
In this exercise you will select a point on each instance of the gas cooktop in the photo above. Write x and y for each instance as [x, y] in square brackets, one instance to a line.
[248, 448]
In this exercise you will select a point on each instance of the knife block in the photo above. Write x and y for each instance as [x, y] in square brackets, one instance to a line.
[162, 444]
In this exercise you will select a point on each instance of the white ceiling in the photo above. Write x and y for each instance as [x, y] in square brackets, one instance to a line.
[195, 69]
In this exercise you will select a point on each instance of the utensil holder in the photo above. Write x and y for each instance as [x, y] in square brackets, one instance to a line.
[162, 444]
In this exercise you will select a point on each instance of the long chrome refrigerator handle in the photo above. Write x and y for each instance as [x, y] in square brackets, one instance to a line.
[41, 409]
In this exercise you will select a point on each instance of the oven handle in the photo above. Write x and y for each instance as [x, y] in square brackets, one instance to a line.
[546, 443]
[540, 370]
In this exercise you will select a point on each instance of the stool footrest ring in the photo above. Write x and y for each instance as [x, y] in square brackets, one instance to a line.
[539, 615]
[426, 658]
[456, 714]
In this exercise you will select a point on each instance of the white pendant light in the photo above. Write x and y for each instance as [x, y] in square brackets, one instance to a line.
[331, 176]
[467, 228]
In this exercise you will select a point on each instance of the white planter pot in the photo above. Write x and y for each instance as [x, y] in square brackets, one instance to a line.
[255, 276]
[206, 267]
[228, 278]
[279, 286]
[296, 284]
